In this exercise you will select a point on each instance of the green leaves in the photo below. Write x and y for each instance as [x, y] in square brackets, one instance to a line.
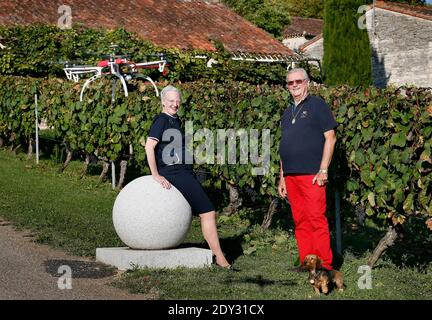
[381, 161]
[359, 157]
[398, 139]
[386, 145]
[371, 199]
[37, 51]
[256, 102]
[368, 134]
[408, 205]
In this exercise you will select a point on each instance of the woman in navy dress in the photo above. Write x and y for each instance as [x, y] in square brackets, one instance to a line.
[166, 156]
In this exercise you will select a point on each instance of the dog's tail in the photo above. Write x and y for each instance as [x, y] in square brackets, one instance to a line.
[336, 278]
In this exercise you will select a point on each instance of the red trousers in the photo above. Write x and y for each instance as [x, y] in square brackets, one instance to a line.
[308, 206]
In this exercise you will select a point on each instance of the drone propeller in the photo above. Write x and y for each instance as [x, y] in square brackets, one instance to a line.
[75, 64]
[102, 53]
[64, 63]
[118, 66]
[161, 55]
[158, 54]
[112, 56]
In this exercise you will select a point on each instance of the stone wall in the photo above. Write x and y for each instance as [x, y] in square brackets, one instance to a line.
[315, 50]
[294, 43]
[401, 48]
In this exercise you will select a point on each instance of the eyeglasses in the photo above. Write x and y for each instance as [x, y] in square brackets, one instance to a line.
[300, 81]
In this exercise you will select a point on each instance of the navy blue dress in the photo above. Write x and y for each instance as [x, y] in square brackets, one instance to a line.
[173, 164]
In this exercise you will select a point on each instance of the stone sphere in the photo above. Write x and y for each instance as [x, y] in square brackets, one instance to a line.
[147, 216]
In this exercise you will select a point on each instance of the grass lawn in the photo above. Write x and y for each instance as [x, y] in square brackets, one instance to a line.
[75, 215]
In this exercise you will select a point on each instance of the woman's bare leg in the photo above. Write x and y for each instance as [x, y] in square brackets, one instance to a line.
[209, 231]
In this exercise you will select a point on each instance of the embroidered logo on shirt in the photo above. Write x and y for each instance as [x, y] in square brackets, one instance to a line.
[304, 114]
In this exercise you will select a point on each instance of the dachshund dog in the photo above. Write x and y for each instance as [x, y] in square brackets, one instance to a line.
[322, 279]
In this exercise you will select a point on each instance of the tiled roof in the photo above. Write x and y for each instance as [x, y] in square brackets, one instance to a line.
[305, 45]
[424, 12]
[303, 26]
[185, 24]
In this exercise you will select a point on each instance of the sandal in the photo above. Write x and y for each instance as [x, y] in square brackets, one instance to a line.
[228, 266]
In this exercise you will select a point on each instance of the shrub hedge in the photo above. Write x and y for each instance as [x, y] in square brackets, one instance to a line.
[382, 159]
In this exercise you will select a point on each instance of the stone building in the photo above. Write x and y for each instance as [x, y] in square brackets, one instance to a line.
[304, 36]
[300, 31]
[401, 41]
[314, 48]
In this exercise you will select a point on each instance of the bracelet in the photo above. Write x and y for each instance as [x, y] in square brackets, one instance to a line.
[323, 171]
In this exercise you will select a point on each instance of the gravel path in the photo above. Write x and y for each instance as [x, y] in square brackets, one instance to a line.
[31, 271]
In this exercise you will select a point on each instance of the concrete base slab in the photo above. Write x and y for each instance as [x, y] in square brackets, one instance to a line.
[126, 258]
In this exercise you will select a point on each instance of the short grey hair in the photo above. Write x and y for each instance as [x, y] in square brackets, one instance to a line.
[168, 89]
[305, 75]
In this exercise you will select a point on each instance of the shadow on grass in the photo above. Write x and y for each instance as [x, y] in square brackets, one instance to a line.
[79, 269]
[411, 254]
[411, 249]
[231, 246]
[261, 281]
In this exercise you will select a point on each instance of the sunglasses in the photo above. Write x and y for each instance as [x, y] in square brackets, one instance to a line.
[291, 83]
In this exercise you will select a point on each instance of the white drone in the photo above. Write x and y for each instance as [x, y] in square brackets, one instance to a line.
[118, 66]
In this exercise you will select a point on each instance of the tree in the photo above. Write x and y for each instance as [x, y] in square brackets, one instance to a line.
[306, 8]
[273, 15]
[347, 53]
[270, 15]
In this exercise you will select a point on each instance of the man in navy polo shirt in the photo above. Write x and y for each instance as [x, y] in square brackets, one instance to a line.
[306, 149]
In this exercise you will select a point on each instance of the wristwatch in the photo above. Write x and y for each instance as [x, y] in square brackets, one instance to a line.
[323, 171]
